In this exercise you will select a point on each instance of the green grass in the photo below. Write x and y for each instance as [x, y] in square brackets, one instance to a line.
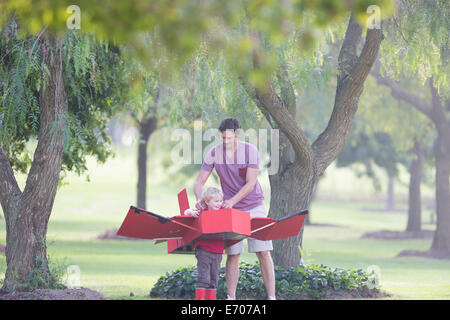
[341, 245]
[84, 209]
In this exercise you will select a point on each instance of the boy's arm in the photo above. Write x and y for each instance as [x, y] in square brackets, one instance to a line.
[192, 212]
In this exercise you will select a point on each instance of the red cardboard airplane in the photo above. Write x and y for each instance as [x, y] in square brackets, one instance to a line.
[230, 224]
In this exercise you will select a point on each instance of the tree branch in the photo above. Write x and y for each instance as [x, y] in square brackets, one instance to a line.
[271, 104]
[287, 90]
[437, 113]
[8, 183]
[287, 93]
[268, 100]
[400, 93]
[353, 71]
[267, 116]
[44, 173]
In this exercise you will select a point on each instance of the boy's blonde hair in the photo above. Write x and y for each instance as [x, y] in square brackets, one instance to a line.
[211, 192]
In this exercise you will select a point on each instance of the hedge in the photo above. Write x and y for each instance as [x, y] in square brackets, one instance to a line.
[302, 282]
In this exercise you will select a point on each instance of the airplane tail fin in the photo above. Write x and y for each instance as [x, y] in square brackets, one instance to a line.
[183, 201]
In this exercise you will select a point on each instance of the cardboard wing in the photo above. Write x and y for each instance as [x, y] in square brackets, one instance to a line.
[143, 224]
[231, 225]
[271, 229]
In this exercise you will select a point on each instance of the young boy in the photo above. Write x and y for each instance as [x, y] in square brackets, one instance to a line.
[208, 251]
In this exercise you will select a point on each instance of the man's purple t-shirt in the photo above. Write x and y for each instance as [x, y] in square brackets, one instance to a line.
[232, 172]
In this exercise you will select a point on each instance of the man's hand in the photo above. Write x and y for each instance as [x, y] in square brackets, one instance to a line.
[228, 204]
[250, 178]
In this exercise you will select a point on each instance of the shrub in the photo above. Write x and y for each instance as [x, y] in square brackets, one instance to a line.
[38, 278]
[304, 281]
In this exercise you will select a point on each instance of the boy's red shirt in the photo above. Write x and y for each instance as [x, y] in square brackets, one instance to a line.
[211, 245]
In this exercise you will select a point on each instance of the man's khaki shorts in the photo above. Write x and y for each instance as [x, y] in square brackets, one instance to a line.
[254, 245]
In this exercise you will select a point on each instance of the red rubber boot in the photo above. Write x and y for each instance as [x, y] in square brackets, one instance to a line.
[211, 294]
[200, 294]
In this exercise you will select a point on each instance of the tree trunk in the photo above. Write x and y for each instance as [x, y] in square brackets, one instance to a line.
[313, 197]
[27, 213]
[439, 114]
[414, 223]
[290, 190]
[146, 128]
[390, 195]
[441, 240]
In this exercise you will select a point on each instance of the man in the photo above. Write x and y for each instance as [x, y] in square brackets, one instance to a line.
[237, 163]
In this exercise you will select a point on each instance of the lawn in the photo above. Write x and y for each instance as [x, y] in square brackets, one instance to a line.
[84, 209]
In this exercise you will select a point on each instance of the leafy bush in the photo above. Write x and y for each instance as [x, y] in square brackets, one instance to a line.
[305, 281]
[39, 278]
[177, 284]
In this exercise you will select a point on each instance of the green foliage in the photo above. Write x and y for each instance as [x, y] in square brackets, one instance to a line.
[19, 92]
[210, 90]
[311, 281]
[93, 75]
[93, 82]
[381, 112]
[179, 27]
[176, 284]
[377, 148]
[417, 42]
[42, 277]
[316, 280]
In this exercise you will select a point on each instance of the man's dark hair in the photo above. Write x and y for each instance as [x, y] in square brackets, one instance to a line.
[229, 124]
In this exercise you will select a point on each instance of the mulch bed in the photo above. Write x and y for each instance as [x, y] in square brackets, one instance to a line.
[398, 235]
[395, 210]
[53, 294]
[403, 235]
[324, 225]
[433, 254]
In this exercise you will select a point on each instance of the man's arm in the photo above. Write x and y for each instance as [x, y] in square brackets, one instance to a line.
[198, 187]
[250, 181]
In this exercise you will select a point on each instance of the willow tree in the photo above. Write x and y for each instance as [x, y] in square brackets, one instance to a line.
[60, 91]
[408, 144]
[418, 46]
[142, 106]
[299, 171]
[268, 82]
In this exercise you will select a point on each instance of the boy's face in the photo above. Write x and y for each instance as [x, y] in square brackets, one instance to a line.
[215, 203]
